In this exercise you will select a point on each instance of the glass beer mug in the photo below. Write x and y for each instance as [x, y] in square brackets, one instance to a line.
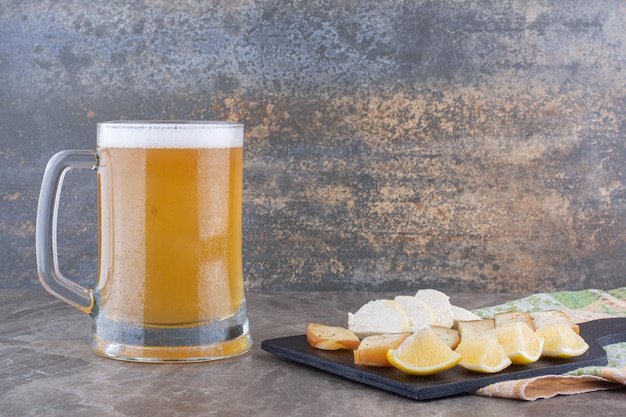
[170, 281]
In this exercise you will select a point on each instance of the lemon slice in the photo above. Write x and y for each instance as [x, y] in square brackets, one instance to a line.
[521, 344]
[423, 353]
[561, 341]
[482, 352]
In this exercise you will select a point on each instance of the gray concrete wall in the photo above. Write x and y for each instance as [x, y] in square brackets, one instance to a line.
[391, 145]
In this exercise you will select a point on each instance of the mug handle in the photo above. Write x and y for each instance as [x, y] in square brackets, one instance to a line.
[46, 229]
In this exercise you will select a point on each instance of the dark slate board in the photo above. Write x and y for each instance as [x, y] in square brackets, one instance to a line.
[454, 381]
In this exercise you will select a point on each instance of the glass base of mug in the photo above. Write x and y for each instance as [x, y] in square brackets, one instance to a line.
[209, 341]
[161, 354]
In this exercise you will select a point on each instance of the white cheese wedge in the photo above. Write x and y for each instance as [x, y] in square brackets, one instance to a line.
[379, 316]
[461, 314]
[417, 311]
[439, 303]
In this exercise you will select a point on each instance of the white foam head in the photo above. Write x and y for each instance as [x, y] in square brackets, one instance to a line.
[170, 134]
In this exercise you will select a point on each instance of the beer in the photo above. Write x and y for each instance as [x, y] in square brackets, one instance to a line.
[176, 248]
[170, 271]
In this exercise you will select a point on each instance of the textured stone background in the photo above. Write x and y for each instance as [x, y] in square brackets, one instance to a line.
[391, 145]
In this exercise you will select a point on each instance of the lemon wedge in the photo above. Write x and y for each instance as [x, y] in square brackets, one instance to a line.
[521, 344]
[561, 341]
[481, 352]
[423, 353]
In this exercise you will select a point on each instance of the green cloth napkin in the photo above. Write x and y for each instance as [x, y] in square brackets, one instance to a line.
[581, 306]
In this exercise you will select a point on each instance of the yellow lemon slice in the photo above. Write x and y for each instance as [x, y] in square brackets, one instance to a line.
[521, 344]
[482, 352]
[423, 353]
[560, 341]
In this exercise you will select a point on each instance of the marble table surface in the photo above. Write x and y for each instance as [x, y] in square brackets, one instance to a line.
[47, 369]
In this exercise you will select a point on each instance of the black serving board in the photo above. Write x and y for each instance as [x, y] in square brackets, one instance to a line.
[453, 381]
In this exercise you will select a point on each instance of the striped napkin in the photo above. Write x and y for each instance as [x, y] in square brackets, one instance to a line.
[581, 306]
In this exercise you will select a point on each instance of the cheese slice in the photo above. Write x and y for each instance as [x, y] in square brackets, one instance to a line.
[440, 305]
[377, 317]
[550, 317]
[373, 349]
[449, 336]
[461, 314]
[325, 337]
[418, 313]
[477, 326]
[514, 316]
[438, 302]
